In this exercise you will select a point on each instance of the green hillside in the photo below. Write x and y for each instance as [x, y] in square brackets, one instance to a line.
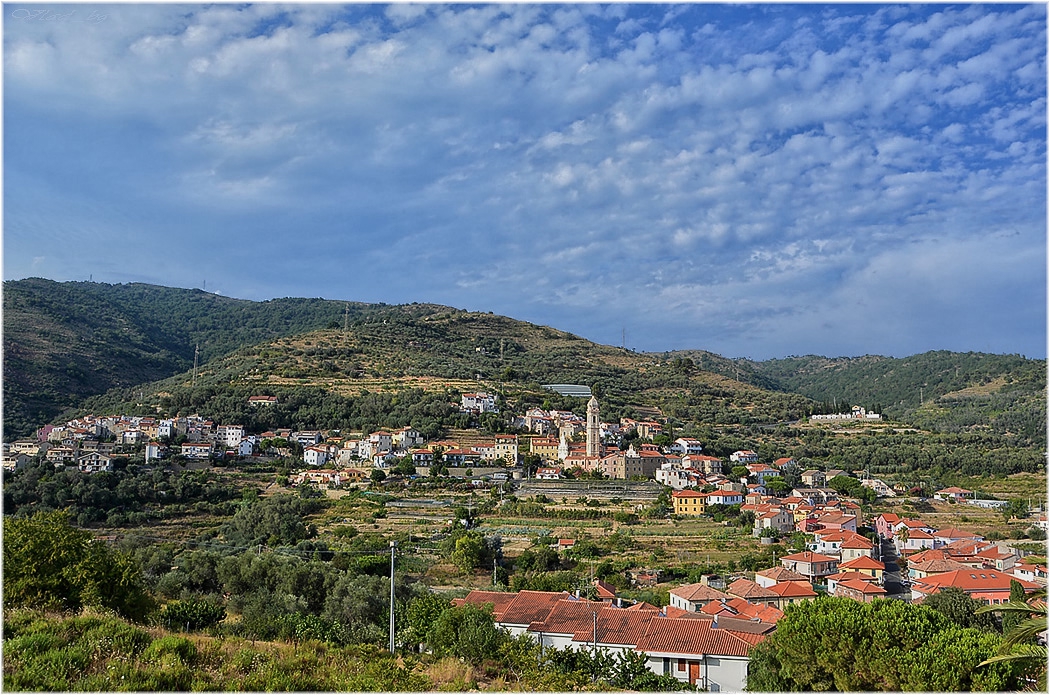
[425, 355]
[945, 391]
[130, 347]
[66, 341]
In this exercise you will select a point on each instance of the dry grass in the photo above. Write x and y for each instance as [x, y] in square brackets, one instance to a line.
[451, 675]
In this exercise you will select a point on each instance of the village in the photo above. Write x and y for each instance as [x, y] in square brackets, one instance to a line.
[704, 634]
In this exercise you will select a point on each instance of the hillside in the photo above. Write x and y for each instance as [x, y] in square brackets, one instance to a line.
[945, 391]
[66, 341]
[132, 346]
[422, 355]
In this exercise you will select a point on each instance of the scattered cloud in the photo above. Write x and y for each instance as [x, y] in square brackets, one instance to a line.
[753, 180]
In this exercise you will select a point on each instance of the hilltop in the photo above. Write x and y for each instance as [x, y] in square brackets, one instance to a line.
[128, 346]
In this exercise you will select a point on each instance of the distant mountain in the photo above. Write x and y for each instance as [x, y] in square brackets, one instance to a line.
[65, 341]
[941, 390]
[435, 352]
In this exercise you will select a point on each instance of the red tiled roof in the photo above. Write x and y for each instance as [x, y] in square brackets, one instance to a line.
[643, 606]
[857, 542]
[692, 637]
[793, 590]
[782, 574]
[971, 580]
[862, 585]
[747, 589]
[617, 626]
[605, 589]
[530, 606]
[698, 592]
[499, 600]
[936, 565]
[862, 563]
[809, 556]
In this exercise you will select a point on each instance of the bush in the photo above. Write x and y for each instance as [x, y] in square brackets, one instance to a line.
[191, 615]
[181, 648]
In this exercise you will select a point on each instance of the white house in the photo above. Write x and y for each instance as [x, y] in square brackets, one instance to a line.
[685, 445]
[94, 462]
[196, 450]
[229, 436]
[315, 455]
[478, 402]
[708, 652]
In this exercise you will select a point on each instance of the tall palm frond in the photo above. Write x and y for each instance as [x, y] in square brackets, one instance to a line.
[1018, 643]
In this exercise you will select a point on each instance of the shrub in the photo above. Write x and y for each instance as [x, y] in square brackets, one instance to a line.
[191, 615]
[181, 648]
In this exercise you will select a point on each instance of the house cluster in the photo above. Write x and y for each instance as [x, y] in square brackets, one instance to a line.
[693, 472]
[382, 448]
[709, 651]
[559, 424]
[90, 443]
[856, 413]
[940, 558]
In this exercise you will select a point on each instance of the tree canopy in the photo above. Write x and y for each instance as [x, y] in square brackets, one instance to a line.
[841, 644]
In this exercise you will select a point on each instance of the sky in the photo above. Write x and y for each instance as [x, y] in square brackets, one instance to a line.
[755, 180]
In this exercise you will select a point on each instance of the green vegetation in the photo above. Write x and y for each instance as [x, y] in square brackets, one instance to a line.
[1024, 622]
[130, 497]
[103, 653]
[841, 644]
[941, 391]
[65, 341]
[50, 564]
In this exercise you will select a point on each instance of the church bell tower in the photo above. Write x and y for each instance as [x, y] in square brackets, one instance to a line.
[594, 429]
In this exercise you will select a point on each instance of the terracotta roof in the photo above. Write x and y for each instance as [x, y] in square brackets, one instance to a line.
[927, 555]
[643, 606]
[971, 580]
[605, 589]
[809, 556]
[936, 565]
[617, 626]
[692, 637]
[698, 592]
[782, 574]
[567, 616]
[747, 589]
[793, 590]
[862, 563]
[499, 600]
[530, 606]
[862, 585]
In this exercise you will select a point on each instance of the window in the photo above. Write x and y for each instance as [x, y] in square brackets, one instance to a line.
[681, 664]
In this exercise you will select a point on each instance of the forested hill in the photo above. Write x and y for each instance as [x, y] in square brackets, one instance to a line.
[948, 391]
[65, 341]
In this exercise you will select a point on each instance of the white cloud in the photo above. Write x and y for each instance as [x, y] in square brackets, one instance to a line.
[692, 151]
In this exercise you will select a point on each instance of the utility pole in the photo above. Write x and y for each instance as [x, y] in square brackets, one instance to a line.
[393, 549]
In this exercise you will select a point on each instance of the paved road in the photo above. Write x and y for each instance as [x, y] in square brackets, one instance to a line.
[892, 582]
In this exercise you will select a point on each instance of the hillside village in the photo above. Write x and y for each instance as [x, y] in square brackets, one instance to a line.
[704, 634]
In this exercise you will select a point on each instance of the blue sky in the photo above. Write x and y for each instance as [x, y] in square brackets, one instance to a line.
[755, 180]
